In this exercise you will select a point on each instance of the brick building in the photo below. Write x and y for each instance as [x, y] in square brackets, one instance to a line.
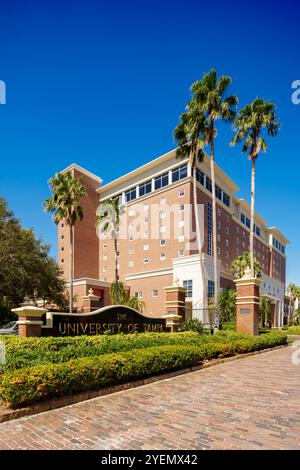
[157, 242]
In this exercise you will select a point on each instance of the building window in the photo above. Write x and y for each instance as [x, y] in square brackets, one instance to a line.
[131, 251]
[105, 257]
[219, 225]
[209, 228]
[208, 184]
[145, 188]
[218, 250]
[200, 177]
[227, 230]
[163, 215]
[155, 293]
[161, 181]
[163, 228]
[179, 173]
[131, 212]
[146, 260]
[146, 234]
[181, 238]
[139, 294]
[130, 194]
[188, 284]
[62, 260]
[146, 220]
[130, 225]
[218, 237]
[146, 247]
[181, 208]
[62, 248]
[226, 242]
[62, 225]
[162, 242]
[163, 256]
[105, 245]
[181, 223]
[210, 289]
[131, 237]
[181, 193]
[219, 193]
[146, 207]
[162, 201]
[62, 237]
[226, 199]
[226, 266]
[104, 269]
[180, 252]
[226, 255]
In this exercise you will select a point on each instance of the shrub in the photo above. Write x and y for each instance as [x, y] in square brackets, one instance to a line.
[294, 330]
[230, 325]
[32, 384]
[38, 383]
[192, 325]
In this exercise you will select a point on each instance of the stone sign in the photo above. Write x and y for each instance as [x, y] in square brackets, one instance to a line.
[113, 319]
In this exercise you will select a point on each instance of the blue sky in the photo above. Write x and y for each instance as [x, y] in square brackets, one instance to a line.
[102, 84]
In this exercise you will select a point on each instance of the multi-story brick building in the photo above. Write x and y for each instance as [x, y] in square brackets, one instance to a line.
[157, 238]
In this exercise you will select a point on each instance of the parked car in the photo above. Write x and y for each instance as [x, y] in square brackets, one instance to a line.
[10, 329]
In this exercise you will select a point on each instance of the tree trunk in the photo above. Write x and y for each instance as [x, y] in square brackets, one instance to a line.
[198, 236]
[252, 218]
[71, 269]
[214, 210]
[117, 273]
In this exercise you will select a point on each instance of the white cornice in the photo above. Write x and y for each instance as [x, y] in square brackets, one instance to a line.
[85, 172]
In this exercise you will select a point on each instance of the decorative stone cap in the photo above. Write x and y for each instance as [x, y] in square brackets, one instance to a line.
[248, 281]
[172, 316]
[175, 289]
[29, 311]
[90, 296]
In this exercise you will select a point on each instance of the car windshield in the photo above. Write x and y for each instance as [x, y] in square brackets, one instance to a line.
[9, 325]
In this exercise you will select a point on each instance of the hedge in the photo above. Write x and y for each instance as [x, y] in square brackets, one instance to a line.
[25, 352]
[32, 384]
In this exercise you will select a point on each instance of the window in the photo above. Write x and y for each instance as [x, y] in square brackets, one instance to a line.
[62, 237]
[105, 257]
[181, 238]
[181, 193]
[227, 218]
[163, 256]
[145, 188]
[104, 269]
[162, 201]
[62, 260]
[218, 250]
[181, 223]
[154, 293]
[210, 289]
[226, 199]
[200, 177]
[219, 193]
[130, 225]
[139, 294]
[146, 260]
[105, 245]
[181, 208]
[146, 207]
[226, 242]
[218, 237]
[162, 242]
[180, 252]
[131, 237]
[237, 229]
[161, 181]
[226, 255]
[219, 225]
[237, 251]
[146, 220]
[62, 248]
[146, 247]
[209, 228]
[208, 184]
[226, 266]
[243, 219]
[162, 228]
[131, 212]
[163, 215]
[219, 212]
[146, 234]
[62, 225]
[188, 284]
[227, 230]
[131, 251]
[130, 194]
[179, 173]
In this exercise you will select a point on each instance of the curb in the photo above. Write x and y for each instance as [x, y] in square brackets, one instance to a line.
[8, 415]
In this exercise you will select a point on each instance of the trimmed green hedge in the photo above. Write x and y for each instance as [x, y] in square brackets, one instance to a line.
[32, 384]
[26, 352]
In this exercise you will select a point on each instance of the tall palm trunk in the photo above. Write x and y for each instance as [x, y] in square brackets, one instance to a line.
[198, 236]
[214, 211]
[71, 269]
[252, 217]
[117, 273]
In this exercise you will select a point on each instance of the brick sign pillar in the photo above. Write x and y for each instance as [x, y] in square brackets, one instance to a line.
[175, 306]
[247, 304]
[29, 320]
[90, 302]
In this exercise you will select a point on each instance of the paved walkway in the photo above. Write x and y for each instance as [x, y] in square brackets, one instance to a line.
[252, 403]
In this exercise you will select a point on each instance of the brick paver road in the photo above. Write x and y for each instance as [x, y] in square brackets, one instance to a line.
[253, 403]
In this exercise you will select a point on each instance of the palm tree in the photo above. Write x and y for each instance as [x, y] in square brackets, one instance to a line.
[118, 289]
[242, 262]
[249, 124]
[109, 221]
[190, 136]
[294, 294]
[64, 203]
[136, 303]
[209, 101]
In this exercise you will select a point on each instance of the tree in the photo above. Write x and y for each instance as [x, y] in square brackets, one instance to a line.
[190, 136]
[227, 305]
[209, 99]
[65, 204]
[294, 293]
[26, 268]
[136, 303]
[133, 301]
[242, 262]
[109, 221]
[265, 313]
[249, 124]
